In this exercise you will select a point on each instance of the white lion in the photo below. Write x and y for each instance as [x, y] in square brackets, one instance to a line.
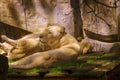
[43, 49]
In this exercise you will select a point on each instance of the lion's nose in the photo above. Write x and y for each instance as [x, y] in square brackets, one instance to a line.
[41, 36]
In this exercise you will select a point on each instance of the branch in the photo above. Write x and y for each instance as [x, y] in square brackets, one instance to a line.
[103, 38]
[115, 4]
[93, 11]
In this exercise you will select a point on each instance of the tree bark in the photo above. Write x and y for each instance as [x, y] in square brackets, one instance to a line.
[118, 24]
[78, 24]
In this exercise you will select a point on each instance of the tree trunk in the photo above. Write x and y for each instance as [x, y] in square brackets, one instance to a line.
[118, 24]
[78, 24]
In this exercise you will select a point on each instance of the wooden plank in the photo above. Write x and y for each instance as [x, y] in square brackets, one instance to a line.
[11, 31]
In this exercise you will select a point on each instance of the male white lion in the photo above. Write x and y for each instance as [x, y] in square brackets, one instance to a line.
[63, 47]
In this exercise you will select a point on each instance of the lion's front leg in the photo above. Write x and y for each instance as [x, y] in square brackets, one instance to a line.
[16, 56]
[11, 52]
[6, 48]
[17, 53]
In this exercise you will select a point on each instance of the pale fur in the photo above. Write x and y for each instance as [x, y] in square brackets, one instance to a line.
[63, 48]
[5, 49]
[26, 45]
[85, 45]
[67, 52]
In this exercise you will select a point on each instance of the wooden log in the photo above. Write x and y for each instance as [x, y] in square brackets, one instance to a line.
[103, 38]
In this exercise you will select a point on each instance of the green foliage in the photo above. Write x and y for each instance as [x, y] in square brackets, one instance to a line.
[10, 60]
[18, 72]
[94, 59]
[56, 69]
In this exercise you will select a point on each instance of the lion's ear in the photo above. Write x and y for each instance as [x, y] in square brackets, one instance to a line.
[61, 28]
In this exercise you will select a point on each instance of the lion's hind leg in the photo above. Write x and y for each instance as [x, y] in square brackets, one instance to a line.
[8, 40]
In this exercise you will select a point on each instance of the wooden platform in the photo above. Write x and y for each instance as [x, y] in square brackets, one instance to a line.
[96, 66]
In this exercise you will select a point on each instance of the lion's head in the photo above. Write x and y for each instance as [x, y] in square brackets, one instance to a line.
[51, 35]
